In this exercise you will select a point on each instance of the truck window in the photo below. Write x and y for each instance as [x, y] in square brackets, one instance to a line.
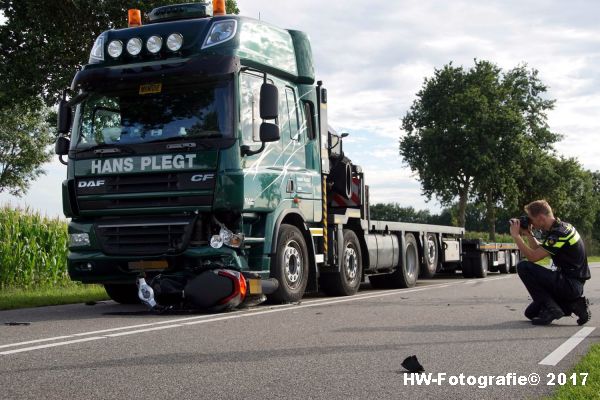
[293, 114]
[250, 112]
[202, 111]
[308, 120]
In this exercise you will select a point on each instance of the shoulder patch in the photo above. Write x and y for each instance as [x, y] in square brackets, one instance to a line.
[551, 239]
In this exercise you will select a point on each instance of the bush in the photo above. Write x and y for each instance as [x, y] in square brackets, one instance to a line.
[485, 236]
[33, 250]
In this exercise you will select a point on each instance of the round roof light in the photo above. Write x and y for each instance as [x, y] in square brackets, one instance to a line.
[154, 44]
[134, 46]
[174, 41]
[115, 48]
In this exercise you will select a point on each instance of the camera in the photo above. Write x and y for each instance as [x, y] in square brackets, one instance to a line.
[525, 221]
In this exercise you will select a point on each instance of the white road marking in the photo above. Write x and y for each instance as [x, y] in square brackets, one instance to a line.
[35, 341]
[565, 348]
[45, 346]
[157, 328]
[212, 318]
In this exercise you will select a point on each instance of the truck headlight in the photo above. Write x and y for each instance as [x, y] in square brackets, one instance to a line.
[231, 239]
[134, 46]
[221, 31]
[174, 41]
[79, 239]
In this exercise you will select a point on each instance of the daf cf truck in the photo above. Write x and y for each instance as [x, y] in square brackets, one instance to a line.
[201, 172]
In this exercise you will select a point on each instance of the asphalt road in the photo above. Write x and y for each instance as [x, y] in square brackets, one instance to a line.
[322, 348]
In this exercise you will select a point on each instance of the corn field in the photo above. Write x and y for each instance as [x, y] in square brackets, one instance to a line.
[33, 250]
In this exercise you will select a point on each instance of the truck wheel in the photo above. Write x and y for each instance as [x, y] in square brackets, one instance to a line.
[430, 257]
[290, 265]
[480, 267]
[347, 281]
[504, 268]
[123, 293]
[406, 274]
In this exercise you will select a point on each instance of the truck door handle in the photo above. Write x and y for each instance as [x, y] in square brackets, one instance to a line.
[290, 186]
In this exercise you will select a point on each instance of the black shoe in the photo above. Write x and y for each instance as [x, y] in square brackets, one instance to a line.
[533, 310]
[547, 315]
[581, 308]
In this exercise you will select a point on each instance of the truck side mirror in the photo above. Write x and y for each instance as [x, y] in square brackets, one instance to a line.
[61, 147]
[269, 132]
[269, 101]
[65, 116]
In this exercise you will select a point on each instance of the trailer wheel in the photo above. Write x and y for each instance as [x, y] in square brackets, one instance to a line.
[290, 265]
[480, 267]
[430, 257]
[505, 268]
[347, 281]
[123, 293]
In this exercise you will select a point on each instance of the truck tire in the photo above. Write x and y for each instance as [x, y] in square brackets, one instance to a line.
[430, 257]
[406, 274]
[480, 266]
[505, 268]
[123, 293]
[290, 265]
[347, 281]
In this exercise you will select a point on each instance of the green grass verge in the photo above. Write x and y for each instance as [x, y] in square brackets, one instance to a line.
[13, 298]
[589, 364]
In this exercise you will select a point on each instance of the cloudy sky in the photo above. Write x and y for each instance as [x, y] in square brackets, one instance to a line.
[373, 57]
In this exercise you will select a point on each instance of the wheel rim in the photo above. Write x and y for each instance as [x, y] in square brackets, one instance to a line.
[351, 263]
[411, 261]
[293, 263]
[431, 251]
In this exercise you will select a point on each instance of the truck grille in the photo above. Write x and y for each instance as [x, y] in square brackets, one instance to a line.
[156, 190]
[148, 236]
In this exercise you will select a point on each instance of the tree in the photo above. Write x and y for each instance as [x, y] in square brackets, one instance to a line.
[468, 131]
[394, 212]
[44, 42]
[24, 138]
[231, 7]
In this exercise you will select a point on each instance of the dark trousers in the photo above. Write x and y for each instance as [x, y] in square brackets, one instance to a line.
[549, 288]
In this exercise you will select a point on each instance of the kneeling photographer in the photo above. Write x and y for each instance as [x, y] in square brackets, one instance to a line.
[556, 292]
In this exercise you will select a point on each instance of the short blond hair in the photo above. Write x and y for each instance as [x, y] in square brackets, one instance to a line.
[538, 207]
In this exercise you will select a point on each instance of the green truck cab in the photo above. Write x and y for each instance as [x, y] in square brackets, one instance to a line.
[193, 139]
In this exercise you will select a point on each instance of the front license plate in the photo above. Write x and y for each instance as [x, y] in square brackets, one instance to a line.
[145, 265]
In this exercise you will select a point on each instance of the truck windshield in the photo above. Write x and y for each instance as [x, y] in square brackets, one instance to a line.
[167, 114]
